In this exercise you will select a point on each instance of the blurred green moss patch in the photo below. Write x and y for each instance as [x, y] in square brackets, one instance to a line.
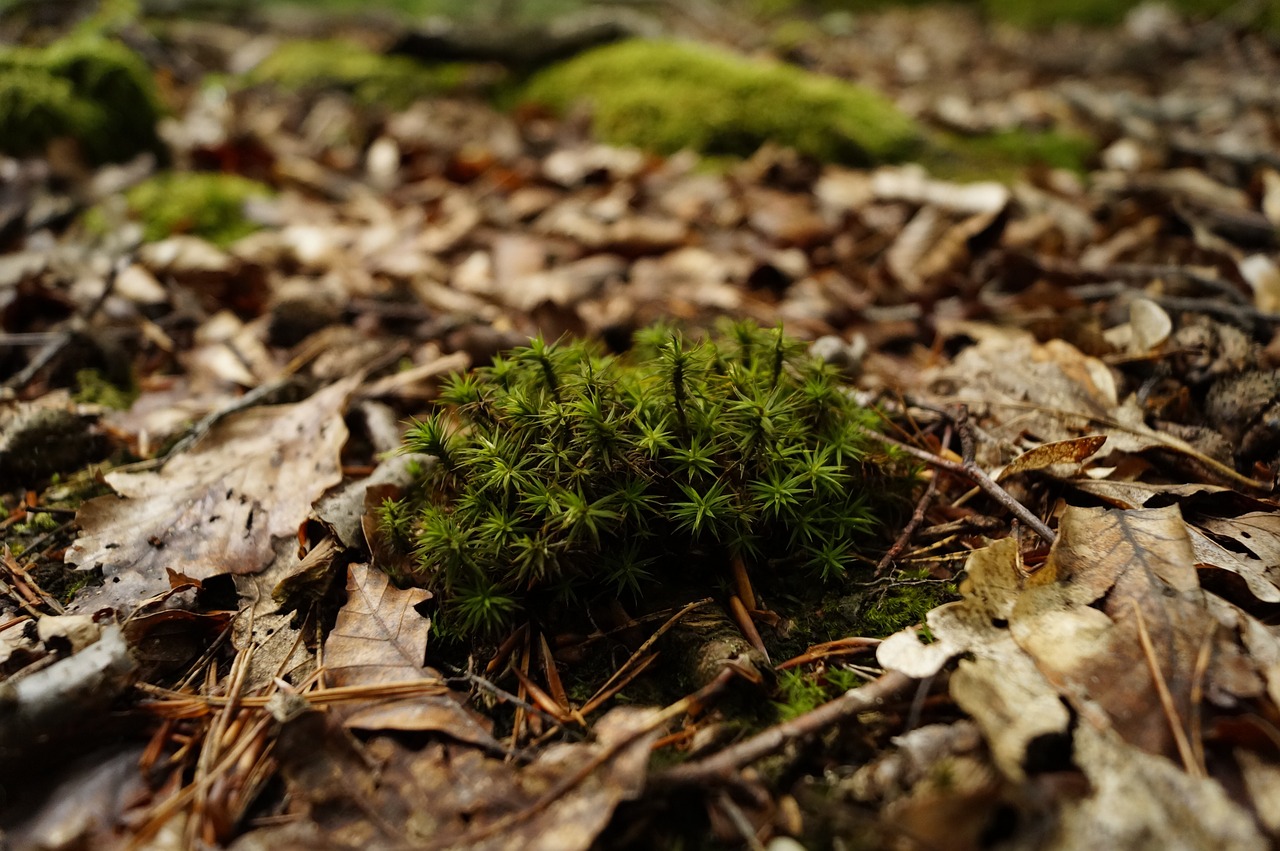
[370, 77]
[666, 96]
[86, 87]
[1264, 14]
[1006, 154]
[204, 204]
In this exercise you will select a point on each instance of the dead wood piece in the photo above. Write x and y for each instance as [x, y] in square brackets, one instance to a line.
[65, 700]
[970, 469]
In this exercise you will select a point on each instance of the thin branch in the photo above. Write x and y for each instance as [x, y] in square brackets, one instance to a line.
[722, 766]
[970, 470]
[908, 531]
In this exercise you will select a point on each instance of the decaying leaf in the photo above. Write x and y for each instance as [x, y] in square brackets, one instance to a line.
[381, 638]
[448, 795]
[216, 508]
[1115, 625]
[1139, 568]
[1071, 451]
[1000, 686]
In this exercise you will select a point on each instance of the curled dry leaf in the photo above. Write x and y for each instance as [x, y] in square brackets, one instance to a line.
[1072, 451]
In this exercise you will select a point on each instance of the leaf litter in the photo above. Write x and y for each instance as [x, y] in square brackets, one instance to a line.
[1099, 344]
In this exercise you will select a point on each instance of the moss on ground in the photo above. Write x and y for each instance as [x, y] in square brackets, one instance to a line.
[904, 603]
[1043, 13]
[1006, 154]
[86, 87]
[95, 388]
[203, 204]
[370, 77]
[665, 96]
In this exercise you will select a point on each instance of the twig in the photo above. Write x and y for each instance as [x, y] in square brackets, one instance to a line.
[917, 517]
[739, 820]
[641, 651]
[969, 469]
[748, 628]
[567, 783]
[507, 697]
[721, 766]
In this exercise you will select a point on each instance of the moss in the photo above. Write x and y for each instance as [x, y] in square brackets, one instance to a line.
[564, 475]
[904, 604]
[799, 691]
[666, 96]
[204, 204]
[85, 87]
[370, 77]
[1005, 155]
[94, 388]
[1043, 13]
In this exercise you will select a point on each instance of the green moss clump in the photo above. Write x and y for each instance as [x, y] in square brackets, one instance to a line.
[94, 388]
[204, 204]
[85, 87]
[666, 96]
[1103, 13]
[370, 77]
[1005, 155]
[904, 604]
[565, 474]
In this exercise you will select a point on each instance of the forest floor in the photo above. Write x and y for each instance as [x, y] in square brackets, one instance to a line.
[1067, 639]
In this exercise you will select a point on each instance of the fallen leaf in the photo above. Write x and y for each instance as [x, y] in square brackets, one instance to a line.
[216, 508]
[380, 638]
[1140, 567]
[447, 795]
[1071, 451]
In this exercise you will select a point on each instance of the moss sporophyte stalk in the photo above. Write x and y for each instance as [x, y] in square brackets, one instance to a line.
[565, 475]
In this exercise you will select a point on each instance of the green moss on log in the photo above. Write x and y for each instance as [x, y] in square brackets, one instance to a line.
[85, 87]
[370, 77]
[1044, 13]
[1006, 155]
[207, 205]
[665, 96]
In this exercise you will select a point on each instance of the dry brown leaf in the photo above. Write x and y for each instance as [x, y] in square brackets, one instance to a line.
[216, 508]
[1263, 580]
[1258, 532]
[1143, 801]
[1052, 392]
[446, 795]
[1071, 451]
[1141, 566]
[1000, 687]
[380, 638]
[1138, 494]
